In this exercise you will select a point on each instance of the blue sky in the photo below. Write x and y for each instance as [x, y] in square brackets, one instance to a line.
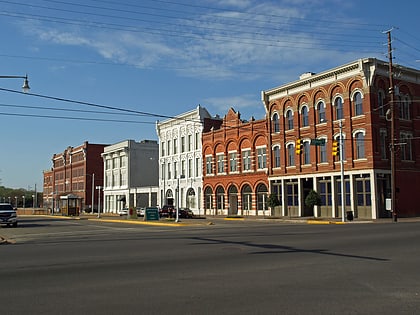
[163, 58]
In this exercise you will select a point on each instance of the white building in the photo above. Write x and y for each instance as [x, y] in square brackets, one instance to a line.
[130, 175]
[180, 158]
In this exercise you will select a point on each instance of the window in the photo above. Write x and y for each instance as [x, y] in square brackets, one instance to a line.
[182, 144]
[405, 107]
[325, 192]
[175, 169]
[169, 171]
[262, 157]
[363, 191]
[358, 103]
[307, 152]
[183, 168]
[383, 144]
[305, 116]
[276, 154]
[197, 139]
[233, 164]
[220, 163]
[108, 164]
[322, 153]
[276, 123]
[190, 143]
[262, 193]
[162, 170]
[116, 162]
[289, 119]
[208, 200]
[381, 99]
[220, 198]
[123, 161]
[246, 160]
[321, 112]
[197, 167]
[175, 146]
[290, 155]
[406, 148]
[190, 168]
[292, 193]
[163, 148]
[338, 103]
[169, 147]
[208, 165]
[360, 145]
[246, 198]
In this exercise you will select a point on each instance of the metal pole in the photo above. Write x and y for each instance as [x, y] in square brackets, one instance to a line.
[177, 203]
[342, 171]
[93, 190]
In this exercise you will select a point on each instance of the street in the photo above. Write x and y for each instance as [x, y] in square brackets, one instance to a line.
[57, 266]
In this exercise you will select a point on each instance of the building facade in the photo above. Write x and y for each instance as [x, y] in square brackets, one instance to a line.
[180, 158]
[69, 187]
[130, 175]
[346, 108]
[235, 167]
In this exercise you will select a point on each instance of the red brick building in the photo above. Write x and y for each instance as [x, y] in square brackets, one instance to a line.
[75, 172]
[235, 180]
[349, 103]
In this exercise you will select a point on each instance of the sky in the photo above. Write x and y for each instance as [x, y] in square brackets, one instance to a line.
[105, 71]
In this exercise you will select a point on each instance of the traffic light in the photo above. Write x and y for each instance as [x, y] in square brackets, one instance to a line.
[335, 148]
[298, 146]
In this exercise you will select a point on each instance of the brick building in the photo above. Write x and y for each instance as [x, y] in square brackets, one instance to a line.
[349, 103]
[235, 180]
[70, 184]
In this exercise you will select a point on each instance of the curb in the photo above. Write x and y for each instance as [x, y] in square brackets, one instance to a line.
[324, 222]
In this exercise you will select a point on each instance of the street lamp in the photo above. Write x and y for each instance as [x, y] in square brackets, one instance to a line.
[342, 170]
[23, 202]
[25, 87]
[99, 200]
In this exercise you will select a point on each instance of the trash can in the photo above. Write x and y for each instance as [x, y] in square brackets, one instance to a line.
[349, 215]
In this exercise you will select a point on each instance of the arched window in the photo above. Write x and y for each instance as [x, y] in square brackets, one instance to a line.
[220, 198]
[208, 199]
[289, 119]
[338, 104]
[262, 193]
[321, 112]
[276, 123]
[405, 105]
[381, 99]
[306, 152]
[305, 116]
[290, 154]
[358, 103]
[246, 198]
[360, 145]
[276, 154]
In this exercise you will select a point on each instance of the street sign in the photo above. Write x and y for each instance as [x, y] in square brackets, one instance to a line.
[319, 142]
[151, 214]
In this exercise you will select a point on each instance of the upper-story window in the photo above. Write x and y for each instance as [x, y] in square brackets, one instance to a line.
[276, 123]
[321, 112]
[322, 153]
[262, 157]
[162, 146]
[360, 144]
[289, 119]
[233, 164]
[169, 147]
[306, 152]
[290, 154]
[405, 105]
[305, 116]
[276, 154]
[108, 164]
[175, 146]
[220, 163]
[383, 144]
[381, 101]
[208, 165]
[406, 150]
[358, 103]
[246, 160]
[190, 142]
[182, 144]
[339, 110]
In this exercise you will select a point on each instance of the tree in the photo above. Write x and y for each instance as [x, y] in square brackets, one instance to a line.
[273, 201]
[313, 199]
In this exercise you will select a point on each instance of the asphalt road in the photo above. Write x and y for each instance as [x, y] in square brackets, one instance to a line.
[58, 266]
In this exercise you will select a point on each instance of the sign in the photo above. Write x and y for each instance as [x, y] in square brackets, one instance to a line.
[320, 142]
[151, 214]
[388, 204]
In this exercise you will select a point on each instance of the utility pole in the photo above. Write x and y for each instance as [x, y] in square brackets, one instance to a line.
[392, 109]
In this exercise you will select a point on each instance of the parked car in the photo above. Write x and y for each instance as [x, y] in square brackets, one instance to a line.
[140, 211]
[123, 211]
[167, 211]
[8, 215]
[185, 213]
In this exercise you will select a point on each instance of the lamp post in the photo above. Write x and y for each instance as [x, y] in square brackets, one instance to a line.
[342, 170]
[23, 202]
[25, 86]
[16, 201]
[99, 200]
